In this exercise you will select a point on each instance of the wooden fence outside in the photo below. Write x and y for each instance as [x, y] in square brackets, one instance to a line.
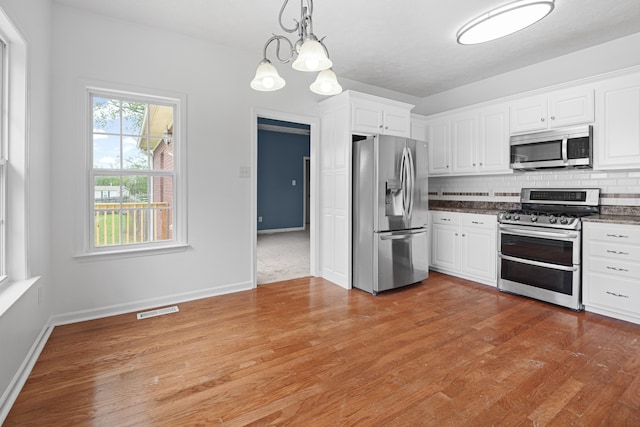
[141, 222]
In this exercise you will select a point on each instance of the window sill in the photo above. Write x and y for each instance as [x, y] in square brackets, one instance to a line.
[128, 253]
[12, 291]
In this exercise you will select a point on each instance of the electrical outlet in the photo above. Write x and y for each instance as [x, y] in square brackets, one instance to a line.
[293, 182]
[259, 219]
[245, 172]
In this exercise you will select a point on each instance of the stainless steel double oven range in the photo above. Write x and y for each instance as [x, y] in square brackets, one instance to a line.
[540, 246]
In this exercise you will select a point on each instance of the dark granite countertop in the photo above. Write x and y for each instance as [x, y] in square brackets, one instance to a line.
[481, 211]
[613, 219]
[629, 215]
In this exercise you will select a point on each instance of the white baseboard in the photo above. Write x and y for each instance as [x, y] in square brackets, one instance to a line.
[114, 310]
[281, 230]
[20, 378]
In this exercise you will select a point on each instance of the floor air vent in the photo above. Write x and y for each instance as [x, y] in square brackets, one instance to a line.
[158, 312]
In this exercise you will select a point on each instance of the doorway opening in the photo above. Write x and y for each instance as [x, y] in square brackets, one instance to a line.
[284, 237]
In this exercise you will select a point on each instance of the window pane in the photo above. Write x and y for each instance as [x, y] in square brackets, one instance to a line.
[106, 151]
[108, 201]
[136, 188]
[162, 205]
[106, 115]
[134, 116]
[135, 152]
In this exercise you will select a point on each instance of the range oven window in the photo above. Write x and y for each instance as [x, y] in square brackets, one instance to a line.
[540, 277]
[550, 251]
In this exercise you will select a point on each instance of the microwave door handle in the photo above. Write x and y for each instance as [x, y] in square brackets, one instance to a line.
[565, 156]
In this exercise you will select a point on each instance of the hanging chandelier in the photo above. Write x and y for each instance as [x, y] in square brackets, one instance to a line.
[310, 55]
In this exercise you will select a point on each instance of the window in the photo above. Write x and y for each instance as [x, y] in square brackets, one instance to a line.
[3, 165]
[133, 175]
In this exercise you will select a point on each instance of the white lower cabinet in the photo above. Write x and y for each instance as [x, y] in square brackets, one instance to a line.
[611, 270]
[464, 245]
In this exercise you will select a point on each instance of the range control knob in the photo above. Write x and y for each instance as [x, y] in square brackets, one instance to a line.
[563, 220]
[507, 216]
[552, 219]
[534, 218]
[516, 217]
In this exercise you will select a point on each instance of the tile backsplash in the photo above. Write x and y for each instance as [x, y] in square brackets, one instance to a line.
[616, 188]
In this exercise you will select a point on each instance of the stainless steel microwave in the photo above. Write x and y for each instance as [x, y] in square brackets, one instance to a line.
[560, 148]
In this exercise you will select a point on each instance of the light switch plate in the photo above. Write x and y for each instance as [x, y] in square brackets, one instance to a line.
[245, 172]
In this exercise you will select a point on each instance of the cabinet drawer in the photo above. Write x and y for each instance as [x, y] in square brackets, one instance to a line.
[613, 293]
[447, 218]
[614, 251]
[479, 220]
[629, 270]
[628, 235]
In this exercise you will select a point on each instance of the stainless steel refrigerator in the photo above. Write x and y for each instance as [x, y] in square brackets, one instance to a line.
[390, 213]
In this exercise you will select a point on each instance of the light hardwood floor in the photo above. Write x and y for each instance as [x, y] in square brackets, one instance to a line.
[446, 352]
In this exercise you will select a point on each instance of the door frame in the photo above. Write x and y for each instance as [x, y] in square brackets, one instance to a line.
[306, 160]
[314, 141]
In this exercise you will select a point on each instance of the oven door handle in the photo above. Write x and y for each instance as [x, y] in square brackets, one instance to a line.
[560, 234]
[537, 263]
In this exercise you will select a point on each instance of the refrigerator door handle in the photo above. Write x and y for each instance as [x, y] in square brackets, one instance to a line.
[412, 179]
[402, 236]
[404, 177]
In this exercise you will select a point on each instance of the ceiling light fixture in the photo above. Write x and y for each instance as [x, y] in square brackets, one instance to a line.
[504, 20]
[312, 55]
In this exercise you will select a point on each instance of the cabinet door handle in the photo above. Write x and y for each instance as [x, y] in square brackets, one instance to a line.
[618, 236]
[617, 252]
[477, 222]
[542, 119]
[456, 234]
[617, 269]
[618, 295]
[553, 117]
[463, 235]
[445, 219]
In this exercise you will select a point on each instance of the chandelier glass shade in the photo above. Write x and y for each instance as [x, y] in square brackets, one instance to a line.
[504, 20]
[267, 78]
[326, 83]
[308, 54]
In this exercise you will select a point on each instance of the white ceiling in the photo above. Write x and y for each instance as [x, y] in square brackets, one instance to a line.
[408, 46]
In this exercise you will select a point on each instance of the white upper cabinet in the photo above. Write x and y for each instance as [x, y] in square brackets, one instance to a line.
[473, 142]
[439, 147]
[419, 128]
[553, 110]
[380, 117]
[493, 139]
[464, 143]
[617, 132]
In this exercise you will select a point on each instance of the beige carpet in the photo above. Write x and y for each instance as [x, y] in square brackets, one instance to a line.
[283, 256]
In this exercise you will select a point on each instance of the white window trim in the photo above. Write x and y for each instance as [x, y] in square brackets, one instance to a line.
[85, 251]
[18, 279]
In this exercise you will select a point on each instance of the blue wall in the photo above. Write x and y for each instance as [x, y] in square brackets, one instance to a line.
[280, 161]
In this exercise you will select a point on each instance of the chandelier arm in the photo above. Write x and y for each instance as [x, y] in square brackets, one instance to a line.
[288, 30]
[277, 39]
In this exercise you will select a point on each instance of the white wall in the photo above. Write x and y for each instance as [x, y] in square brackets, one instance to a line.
[215, 80]
[607, 57]
[23, 323]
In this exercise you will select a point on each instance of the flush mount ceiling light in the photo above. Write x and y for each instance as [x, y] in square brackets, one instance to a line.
[309, 52]
[504, 20]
